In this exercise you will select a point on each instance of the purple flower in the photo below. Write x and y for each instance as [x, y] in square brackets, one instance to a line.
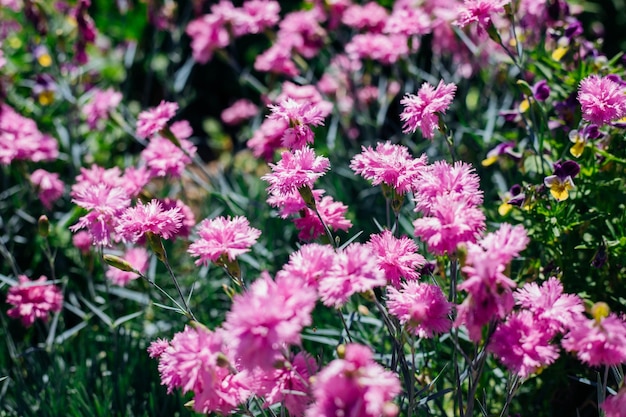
[561, 182]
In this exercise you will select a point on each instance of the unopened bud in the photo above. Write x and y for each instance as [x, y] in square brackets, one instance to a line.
[119, 263]
[43, 226]
[390, 410]
[341, 351]
[307, 196]
[156, 244]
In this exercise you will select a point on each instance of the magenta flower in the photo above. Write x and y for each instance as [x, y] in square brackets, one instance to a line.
[240, 111]
[522, 344]
[292, 202]
[207, 34]
[49, 186]
[309, 264]
[267, 138]
[389, 164]
[301, 116]
[82, 242]
[332, 212]
[421, 111]
[137, 258]
[277, 59]
[441, 178]
[598, 342]
[371, 17]
[136, 221]
[223, 236]
[422, 307]
[99, 105]
[384, 48]
[296, 170]
[267, 318]
[602, 100]
[197, 360]
[479, 11]
[33, 300]
[155, 119]
[615, 405]
[355, 270]
[354, 386]
[163, 158]
[451, 221]
[548, 303]
[398, 258]
[189, 219]
[20, 139]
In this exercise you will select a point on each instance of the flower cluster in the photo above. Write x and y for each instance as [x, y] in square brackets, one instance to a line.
[21, 140]
[34, 300]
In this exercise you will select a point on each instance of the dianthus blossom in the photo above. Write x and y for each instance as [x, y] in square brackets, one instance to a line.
[421, 110]
[99, 105]
[300, 117]
[292, 202]
[268, 317]
[296, 170]
[389, 164]
[355, 270]
[155, 119]
[354, 386]
[277, 59]
[20, 139]
[197, 360]
[267, 138]
[479, 11]
[223, 236]
[522, 344]
[408, 21]
[422, 307]
[548, 303]
[309, 264]
[614, 405]
[304, 94]
[49, 186]
[82, 242]
[137, 258]
[598, 342]
[441, 178]
[136, 221]
[451, 221]
[164, 158]
[240, 111]
[207, 33]
[333, 213]
[384, 48]
[371, 17]
[33, 300]
[602, 100]
[301, 31]
[189, 219]
[397, 257]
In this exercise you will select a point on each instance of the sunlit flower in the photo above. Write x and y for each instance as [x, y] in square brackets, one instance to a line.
[99, 105]
[296, 170]
[614, 405]
[136, 221]
[49, 186]
[301, 116]
[580, 138]
[397, 257]
[479, 11]
[20, 139]
[332, 212]
[600, 341]
[155, 119]
[602, 100]
[561, 182]
[238, 112]
[33, 300]
[223, 236]
[422, 111]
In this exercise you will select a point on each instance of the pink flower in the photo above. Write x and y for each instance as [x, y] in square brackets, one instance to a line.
[163, 158]
[547, 302]
[332, 212]
[441, 178]
[207, 34]
[97, 175]
[355, 270]
[99, 105]
[354, 386]
[267, 138]
[141, 219]
[479, 11]
[309, 264]
[197, 360]
[155, 119]
[305, 94]
[371, 17]
[300, 118]
[259, 15]
[157, 347]
[277, 59]
[82, 242]
[408, 21]
[267, 318]
[189, 219]
[301, 32]
[21, 140]
[615, 405]
[598, 342]
[422, 111]
[398, 258]
[33, 300]
[602, 99]
[422, 307]
[223, 237]
[137, 258]
[386, 49]
[292, 202]
[450, 222]
[296, 170]
[49, 185]
[240, 111]
[522, 344]
[105, 204]
[389, 164]
[134, 179]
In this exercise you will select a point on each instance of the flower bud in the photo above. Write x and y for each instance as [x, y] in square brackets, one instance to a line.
[119, 263]
[43, 226]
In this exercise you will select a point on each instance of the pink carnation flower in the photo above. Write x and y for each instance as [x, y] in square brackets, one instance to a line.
[49, 186]
[197, 360]
[386, 49]
[267, 318]
[615, 405]
[223, 237]
[240, 111]
[163, 158]
[522, 344]
[354, 386]
[305, 94]
[189, 219]
[441, 178]
[355, 270]
[136, 221]
[20, 139]
[547, 302]
[296, 170]
[332, 212]
[207, 34]
[267, 138]
[155, 119]
[33, 300]
[479, 11]
[598, 342]
[389, 164]
[301, 32]
[309, 264]
[451, 221]
[370, 17]
[137, 258]
[277, 59]
[408, 21]
[397, 257]
[422, 307]
[292, 202]
[82, 242]
[99, 105]
[421, 110]
[602, 99]
[300, 117]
